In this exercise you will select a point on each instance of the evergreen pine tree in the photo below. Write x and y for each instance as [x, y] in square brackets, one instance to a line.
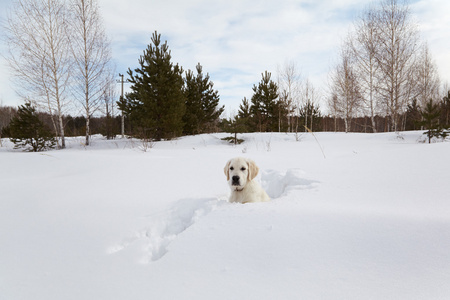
[156, 103]
[28, 131]
[201, 103]
[445, 110]
[310, 116]
[234, 126]
[264, 104]
[244, 109]
[243, 117]
[430, 115]
[413, 116]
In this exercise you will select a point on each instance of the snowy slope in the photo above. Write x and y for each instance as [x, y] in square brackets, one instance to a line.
[370, 220]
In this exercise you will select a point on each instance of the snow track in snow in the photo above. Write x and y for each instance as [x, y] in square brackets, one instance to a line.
[167, 226]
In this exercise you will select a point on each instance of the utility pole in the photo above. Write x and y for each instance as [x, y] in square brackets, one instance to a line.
[123, 118]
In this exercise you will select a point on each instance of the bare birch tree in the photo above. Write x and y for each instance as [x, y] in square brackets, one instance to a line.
[364, 46]
[427, 77]
[346, 96]
[92, 55]
[398, 40]
[39, 55]
[289, 83]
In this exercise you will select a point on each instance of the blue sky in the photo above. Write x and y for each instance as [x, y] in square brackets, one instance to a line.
[235, 41]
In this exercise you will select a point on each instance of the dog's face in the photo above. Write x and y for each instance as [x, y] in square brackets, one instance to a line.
[239, 171]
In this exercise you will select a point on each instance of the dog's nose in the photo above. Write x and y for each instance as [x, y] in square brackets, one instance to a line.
[235, 179]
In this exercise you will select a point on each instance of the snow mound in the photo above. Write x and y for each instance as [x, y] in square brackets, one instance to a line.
[278, 184]
[166, 226]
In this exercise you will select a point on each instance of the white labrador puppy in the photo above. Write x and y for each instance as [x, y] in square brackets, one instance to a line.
[240, 173]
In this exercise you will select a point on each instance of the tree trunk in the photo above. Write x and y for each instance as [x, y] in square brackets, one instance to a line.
[61, 130]
[88, 130]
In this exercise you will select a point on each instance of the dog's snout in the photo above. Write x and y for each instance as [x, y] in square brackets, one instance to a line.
[235, 179]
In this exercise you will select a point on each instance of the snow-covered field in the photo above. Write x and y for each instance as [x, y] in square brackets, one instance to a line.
[370, 220]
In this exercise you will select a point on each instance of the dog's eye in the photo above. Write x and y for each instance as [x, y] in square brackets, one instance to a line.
[231, 168]
[242, 169]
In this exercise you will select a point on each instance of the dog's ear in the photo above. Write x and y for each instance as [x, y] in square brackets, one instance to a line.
[252, 169]
[227, 169]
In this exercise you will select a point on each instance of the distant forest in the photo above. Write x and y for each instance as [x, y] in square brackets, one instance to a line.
[110, 127]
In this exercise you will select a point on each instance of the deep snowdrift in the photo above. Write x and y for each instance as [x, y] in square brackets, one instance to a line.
[370, 220]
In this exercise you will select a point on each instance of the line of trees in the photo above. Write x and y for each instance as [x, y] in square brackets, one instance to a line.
[412, 119]
[296, 109]
[287, 105]
[434, 117]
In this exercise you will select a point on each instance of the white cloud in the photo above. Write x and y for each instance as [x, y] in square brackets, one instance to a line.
[435, 28]
[246, 38]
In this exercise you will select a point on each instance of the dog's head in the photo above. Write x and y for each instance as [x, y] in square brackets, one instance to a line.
[239, 171]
